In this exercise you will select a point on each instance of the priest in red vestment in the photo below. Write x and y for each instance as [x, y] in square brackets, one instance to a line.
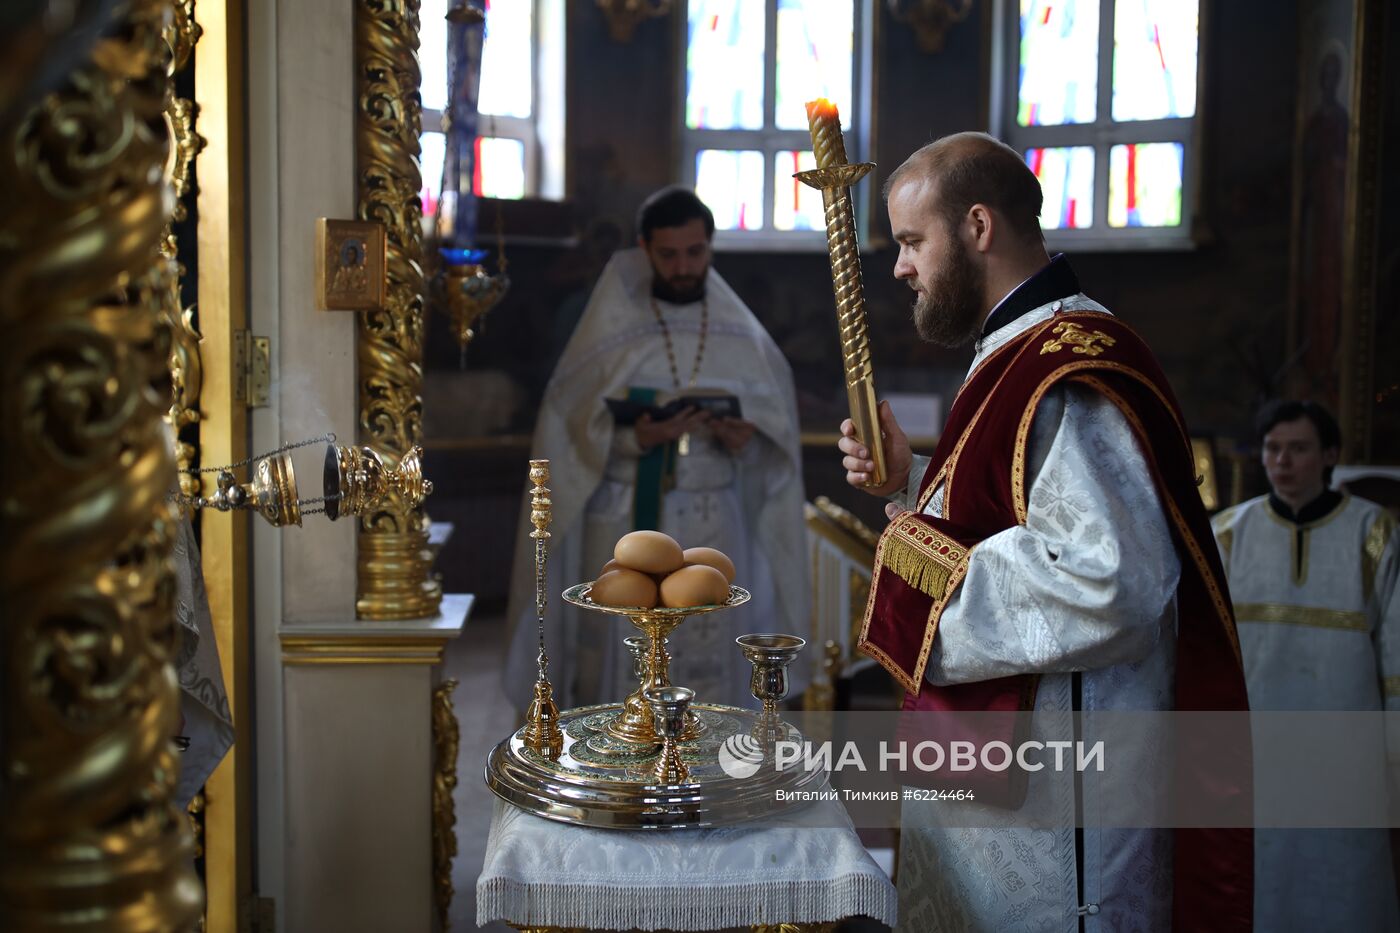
[1052, 555]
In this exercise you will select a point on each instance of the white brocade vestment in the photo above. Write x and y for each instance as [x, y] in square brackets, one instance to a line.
[1086, 588]
[208, 723]
[1319, 624]
[747, 505]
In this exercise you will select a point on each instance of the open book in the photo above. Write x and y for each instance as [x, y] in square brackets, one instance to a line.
[717, 402]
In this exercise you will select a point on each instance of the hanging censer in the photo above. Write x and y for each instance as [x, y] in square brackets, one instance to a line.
[356, 482]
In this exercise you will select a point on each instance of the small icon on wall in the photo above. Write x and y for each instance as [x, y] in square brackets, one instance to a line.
[350, 265]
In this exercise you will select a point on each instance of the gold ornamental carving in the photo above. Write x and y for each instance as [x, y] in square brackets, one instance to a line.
[186, 367]
[394, 573]
[89, 834]
[446, 737]
[1085, 342]
[195, 814]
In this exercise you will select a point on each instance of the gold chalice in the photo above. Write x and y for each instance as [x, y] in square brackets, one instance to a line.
[636, 725]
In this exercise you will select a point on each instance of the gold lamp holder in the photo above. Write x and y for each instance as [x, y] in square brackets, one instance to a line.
[357, 482]
[541, 733]
[834, 176]
[471, 292]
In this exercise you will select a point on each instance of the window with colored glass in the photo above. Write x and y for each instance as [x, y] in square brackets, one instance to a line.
[750, 68]
[1100, 97]
[519, 146]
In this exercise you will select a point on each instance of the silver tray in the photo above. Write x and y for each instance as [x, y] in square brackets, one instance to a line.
[597, 782]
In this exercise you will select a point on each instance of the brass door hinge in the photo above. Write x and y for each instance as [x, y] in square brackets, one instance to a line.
[252, 369]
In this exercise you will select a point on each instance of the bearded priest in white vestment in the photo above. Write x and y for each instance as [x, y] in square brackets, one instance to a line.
[1313, 573]
[662, 322]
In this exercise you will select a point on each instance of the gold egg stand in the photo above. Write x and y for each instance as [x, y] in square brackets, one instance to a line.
[605, 773]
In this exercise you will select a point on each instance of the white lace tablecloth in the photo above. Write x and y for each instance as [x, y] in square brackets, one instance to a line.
[554, 874]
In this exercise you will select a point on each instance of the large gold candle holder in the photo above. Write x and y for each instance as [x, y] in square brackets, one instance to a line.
[542, 734]
[656, 624]
[471, 292]
[357, 481]
[834, 176]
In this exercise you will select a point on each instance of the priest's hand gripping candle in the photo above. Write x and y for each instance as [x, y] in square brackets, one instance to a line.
[834, 176]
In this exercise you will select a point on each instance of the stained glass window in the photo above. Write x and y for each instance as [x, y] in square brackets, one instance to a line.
[1111, 155]
[751, 67]
[731, 183]
[815, 48]
[500, 168]
[1144, 185]
[1059, 72]
[434, 150]
[795, 206]
[507, 59]
[1154, 59]
[1067, 180]
[724, 65]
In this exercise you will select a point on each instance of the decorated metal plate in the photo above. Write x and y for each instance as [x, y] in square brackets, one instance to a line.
[593, 784]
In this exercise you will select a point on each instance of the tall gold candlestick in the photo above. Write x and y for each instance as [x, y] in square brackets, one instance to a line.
[834, 176]
[542, 733]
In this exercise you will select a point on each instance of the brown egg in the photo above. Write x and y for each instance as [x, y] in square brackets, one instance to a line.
[710, 558]
[649, 552]
[699, 585]
[624, 588]
[610, 566]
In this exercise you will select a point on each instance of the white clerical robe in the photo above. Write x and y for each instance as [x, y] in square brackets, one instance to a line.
[1087, 585]
[747, 505]
[1319, 624]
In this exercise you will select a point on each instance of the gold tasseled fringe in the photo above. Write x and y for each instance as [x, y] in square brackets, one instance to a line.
[915, 567]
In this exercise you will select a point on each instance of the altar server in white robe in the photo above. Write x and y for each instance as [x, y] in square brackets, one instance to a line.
[1314, 576]
[1081, 588]
[661, 321]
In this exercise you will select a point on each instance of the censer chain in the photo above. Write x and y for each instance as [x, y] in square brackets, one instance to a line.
[327, 438]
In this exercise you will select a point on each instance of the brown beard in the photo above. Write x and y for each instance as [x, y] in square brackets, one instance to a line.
[681, 291]
[947, 313]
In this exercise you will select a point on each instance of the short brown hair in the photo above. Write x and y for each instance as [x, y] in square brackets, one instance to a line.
[974, 168]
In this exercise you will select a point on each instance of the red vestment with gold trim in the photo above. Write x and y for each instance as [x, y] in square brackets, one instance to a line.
[980, 462]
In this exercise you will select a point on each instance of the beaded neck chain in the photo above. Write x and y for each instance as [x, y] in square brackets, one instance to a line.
[671, 350]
